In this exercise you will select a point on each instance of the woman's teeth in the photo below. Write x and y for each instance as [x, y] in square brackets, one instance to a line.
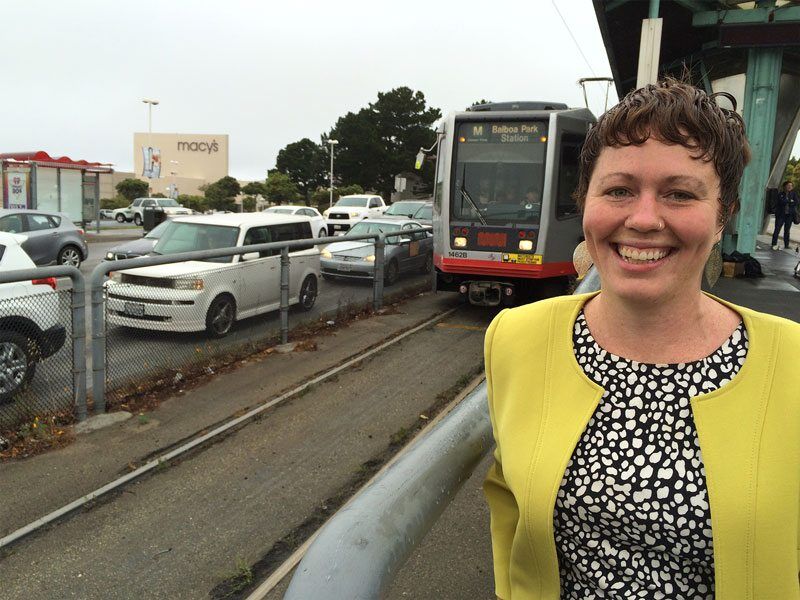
[640, 256]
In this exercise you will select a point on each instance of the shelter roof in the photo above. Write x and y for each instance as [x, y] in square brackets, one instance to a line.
[40, 157]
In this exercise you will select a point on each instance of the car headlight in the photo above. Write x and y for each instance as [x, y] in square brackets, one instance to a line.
[460, 242]
[354, 215]
[326, 254]
[325, 213]
[115, 276]
[188, 284]
[110, 256]
[370, 258]
[526, 244]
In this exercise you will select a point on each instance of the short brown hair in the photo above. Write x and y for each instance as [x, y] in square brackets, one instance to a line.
[676, 113]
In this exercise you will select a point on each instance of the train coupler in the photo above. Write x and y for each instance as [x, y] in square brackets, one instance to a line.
[487, 293]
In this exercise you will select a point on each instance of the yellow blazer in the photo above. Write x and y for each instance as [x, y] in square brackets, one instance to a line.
[540, 401]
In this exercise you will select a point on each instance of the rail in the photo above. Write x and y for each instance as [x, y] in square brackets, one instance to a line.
[361, 549]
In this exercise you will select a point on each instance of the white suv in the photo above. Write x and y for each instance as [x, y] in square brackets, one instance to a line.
[29, 320]
[135, 211]
[213, 294]
[349, 210]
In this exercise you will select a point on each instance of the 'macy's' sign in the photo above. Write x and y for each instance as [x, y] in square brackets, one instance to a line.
[208, 147]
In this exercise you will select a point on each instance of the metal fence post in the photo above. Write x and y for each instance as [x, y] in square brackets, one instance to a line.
[284, 295]
[377, 287]
[98, 341]
[78, 301]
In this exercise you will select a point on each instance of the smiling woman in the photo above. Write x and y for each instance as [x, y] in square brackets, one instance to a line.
[654, 449]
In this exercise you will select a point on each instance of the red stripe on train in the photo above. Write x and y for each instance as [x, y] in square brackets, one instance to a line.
[469, 266]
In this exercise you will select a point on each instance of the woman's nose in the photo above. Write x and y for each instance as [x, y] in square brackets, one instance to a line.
[645, 214]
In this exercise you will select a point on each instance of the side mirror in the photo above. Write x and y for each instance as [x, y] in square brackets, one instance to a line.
[250, 256]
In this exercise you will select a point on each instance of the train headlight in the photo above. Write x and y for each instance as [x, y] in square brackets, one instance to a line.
[460, 242]
[526, 244]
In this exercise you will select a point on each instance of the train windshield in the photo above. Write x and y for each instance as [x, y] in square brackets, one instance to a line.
[499, 171]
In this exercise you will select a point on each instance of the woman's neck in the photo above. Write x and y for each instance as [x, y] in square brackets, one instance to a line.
[683, 329]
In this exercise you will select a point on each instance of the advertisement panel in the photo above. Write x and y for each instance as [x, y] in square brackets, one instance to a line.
[151, 162]
[16, 186]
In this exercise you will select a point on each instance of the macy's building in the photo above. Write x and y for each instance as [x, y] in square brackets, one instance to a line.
[176, 163]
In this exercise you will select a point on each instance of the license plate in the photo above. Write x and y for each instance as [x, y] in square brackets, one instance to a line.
[339, 226]
[523, 259]
[134, 309]
[345, 267]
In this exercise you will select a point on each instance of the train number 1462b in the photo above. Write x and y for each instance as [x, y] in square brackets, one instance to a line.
[457, 254]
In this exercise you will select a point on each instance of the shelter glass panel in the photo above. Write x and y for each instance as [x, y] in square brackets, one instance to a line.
[47, 189]
[72, 194]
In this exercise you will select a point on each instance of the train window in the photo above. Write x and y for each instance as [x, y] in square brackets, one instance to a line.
[568, 175]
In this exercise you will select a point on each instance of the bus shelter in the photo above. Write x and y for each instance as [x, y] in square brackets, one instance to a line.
[53, 183]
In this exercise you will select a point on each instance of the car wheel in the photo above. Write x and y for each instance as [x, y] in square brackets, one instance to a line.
[391, 273]
[323, 233]
[120, 218]
[17, 364]
[137, 219]
[70, 256]
[221, 316]
[427, 266]
[308, 293]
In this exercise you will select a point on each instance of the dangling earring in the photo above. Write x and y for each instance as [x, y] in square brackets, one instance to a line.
[714, 264]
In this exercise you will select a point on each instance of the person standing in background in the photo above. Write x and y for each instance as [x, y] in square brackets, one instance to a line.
[785, 213]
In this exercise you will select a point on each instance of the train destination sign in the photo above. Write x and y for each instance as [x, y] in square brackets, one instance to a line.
[510, 132]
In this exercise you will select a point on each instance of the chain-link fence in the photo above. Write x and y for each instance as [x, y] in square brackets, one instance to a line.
[36, 356]
[163, 325]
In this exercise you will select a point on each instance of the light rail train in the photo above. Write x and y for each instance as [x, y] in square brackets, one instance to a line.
[505, 224]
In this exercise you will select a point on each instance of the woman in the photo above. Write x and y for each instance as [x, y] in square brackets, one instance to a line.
[785, 212]
[648, 436]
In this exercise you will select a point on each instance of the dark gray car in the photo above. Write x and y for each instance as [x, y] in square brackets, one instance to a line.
[138, 247]
[355, 259]
[52, 237]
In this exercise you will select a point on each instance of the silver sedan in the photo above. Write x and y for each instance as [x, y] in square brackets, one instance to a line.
[355, 259]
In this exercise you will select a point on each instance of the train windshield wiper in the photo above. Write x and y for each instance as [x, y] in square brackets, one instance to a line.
[466, 195]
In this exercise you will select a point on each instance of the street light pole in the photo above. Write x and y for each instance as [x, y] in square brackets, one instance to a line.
[150, 105]
[332, 144]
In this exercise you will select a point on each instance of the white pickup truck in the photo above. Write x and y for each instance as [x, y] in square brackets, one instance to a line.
[349, 210]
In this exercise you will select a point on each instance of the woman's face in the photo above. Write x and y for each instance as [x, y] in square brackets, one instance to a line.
[650, 219]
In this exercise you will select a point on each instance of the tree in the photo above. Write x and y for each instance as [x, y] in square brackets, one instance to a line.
[382, 140]
[792, 172]
[131, 189]
[280, 188]
[305, 164]
[249, 204]
[479, 102]
[255, 188]
[112, 203]
[198, 203]
[222, 193]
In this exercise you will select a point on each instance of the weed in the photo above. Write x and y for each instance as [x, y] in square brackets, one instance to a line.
[143, 419]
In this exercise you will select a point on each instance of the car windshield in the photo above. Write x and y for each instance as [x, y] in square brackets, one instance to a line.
[367, 227]
[157, 231]
[351, 202]
[403, 208]
[188, 237]
[282, 211]
[167, 203]
[426, 212]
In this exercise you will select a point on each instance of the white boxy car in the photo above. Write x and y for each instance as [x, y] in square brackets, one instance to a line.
[135, 212]
[349, 210]
[30, 330]
[213, 294]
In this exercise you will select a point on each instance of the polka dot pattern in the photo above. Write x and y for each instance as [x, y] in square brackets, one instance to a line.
[632, 518]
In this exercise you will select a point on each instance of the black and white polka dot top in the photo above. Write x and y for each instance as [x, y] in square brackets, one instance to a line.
[632, 518]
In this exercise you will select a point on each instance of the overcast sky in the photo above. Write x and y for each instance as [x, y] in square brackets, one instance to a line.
[271, 73]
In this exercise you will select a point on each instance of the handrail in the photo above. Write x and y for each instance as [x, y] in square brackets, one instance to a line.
[360, 550]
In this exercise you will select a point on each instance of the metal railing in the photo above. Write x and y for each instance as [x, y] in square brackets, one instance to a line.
[360, 550]
[99, 300]
[54, 395]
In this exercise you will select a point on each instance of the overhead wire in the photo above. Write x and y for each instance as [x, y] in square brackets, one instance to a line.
[575, 41]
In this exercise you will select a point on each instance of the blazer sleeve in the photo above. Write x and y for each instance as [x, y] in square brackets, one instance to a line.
[503, 508]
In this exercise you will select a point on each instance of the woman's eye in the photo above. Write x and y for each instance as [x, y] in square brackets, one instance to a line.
[680, 196]
[618, 193]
